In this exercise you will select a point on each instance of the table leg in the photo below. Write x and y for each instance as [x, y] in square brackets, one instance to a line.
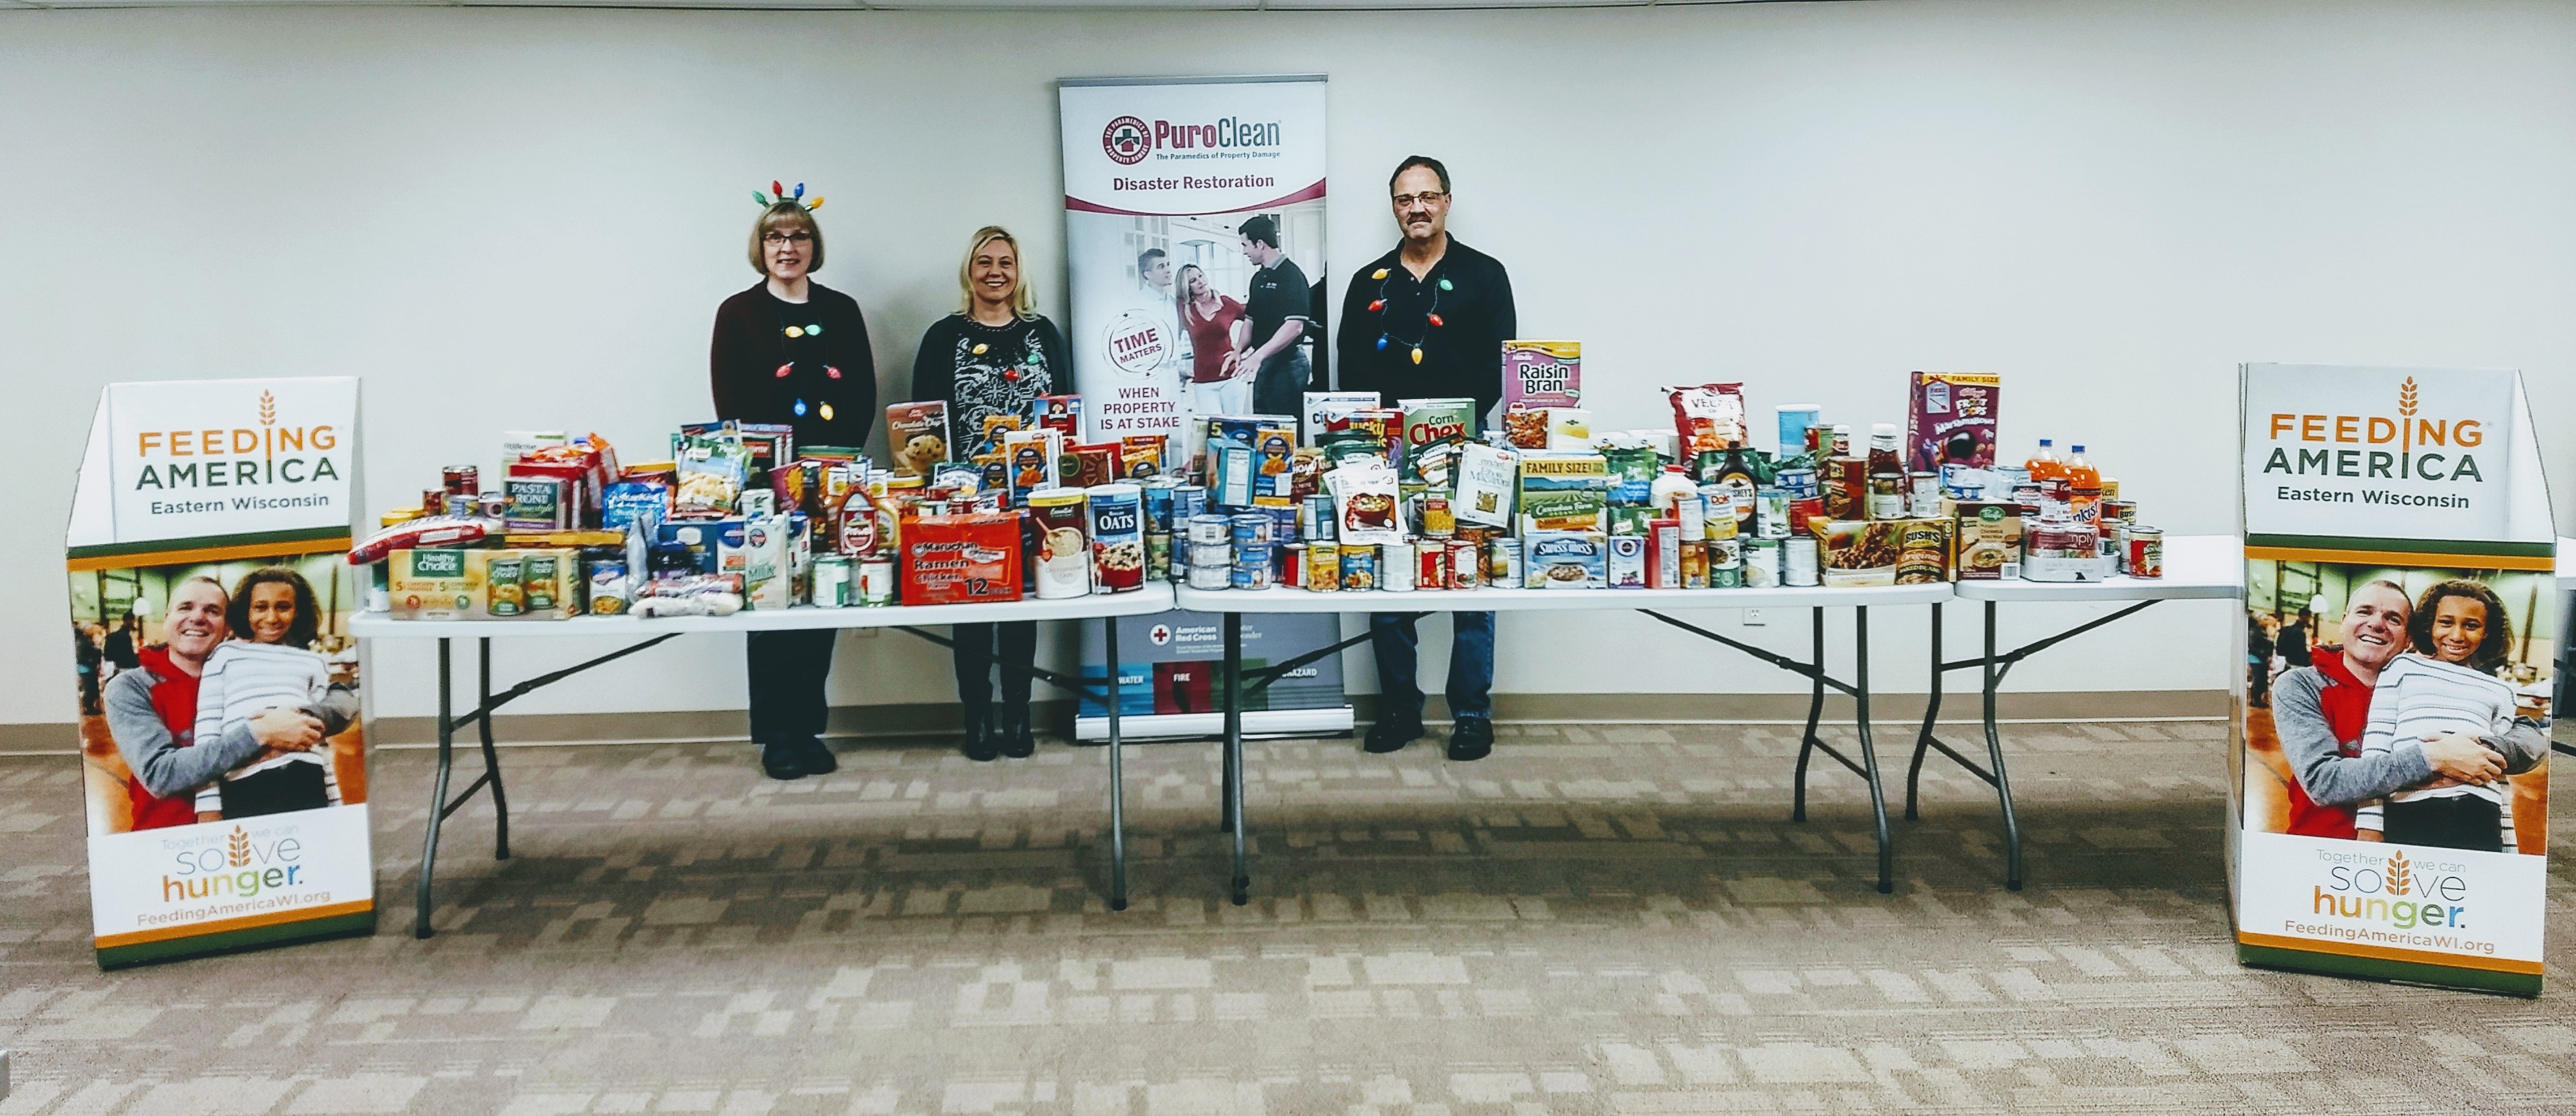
[1815, 710]
[491, 757]
[1931, 711]
[1995, 755]
[1234, 751]
[1117, 777]
[437, 796]
[1869, 751]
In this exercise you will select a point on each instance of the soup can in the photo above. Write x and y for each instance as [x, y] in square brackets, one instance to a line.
[1395, 567]
[832, 582]
[1064, 543]
[1798, 561]
[1466, 564]
[1292, 564]
[1761, 563]
[1252, 528]
[1431, 563]
[1324, 567]
[2146, 552]
[1359, 567]
[539, 573]
[1503, 561]
[1213, 575]
[1206, 529]
[876, 581]
[1117, 537]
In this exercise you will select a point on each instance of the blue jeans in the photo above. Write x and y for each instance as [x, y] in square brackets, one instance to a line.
[1471, 664]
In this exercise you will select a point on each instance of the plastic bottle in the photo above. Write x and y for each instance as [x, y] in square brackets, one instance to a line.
[1675, 497]
[1886, 493]
[2083, 489]
[2044, 464]
[2049, 473]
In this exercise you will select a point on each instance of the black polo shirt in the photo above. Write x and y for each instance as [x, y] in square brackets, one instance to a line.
[1277, 294]
[1461, 356]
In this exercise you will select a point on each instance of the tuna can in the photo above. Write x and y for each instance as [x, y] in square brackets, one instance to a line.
[1117, 537]
[876, 581]
[1213, 575]
[832, 581]
[1762, 563]
[1252, 567]
[1216, 554]
[1324, 567]
[1798, 561]
[1064, 543]
[1253, 529]
[462, 506]
[2146, 552]
[1395, 567]
[1206, 529]
[1359, 567]
[1466, 564]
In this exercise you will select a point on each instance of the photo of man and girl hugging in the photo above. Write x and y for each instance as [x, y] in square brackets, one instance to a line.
[246, 704]
[2406, 706]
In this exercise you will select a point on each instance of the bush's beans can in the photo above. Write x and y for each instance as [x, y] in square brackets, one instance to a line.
[2146, 552]
[1466, 564]
[1117, 537]
[1395, 567]
[1324, 567]
[1359, 567]
[1798, 560]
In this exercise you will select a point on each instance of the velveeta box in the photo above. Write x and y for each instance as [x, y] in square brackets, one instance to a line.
[434, 583]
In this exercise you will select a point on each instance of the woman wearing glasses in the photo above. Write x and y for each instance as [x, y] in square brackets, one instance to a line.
[793, 352]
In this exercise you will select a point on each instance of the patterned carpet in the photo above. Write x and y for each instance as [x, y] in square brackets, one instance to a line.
[1614, 919]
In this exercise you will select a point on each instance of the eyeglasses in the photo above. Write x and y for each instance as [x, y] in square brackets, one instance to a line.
[775, 239]
[1427, 197]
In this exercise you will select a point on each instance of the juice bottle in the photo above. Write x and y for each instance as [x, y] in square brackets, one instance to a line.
[1669, 491]
[2044, 464]
[2083, 489]
[2049, 473]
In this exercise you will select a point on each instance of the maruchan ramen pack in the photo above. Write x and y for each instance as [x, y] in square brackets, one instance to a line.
[961, 559]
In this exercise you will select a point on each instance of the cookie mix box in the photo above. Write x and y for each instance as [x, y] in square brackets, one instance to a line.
[1950, 420]
[917, 436]
[961, 559]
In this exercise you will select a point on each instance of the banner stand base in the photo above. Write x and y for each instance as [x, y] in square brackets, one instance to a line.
[2526, 985]
[354, 925]
[1166, 727]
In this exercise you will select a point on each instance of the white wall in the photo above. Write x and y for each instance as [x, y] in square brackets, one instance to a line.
[525, 219]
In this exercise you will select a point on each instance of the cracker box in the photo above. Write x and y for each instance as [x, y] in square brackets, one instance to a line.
[432, 583]
[1140, 456]
[1950, 420]
[1563, 491]
[1989, 546]
[917, 436]
[1564, 560]
[961, 559]
[1324, 407]
[1542, 374]
[1433, 431]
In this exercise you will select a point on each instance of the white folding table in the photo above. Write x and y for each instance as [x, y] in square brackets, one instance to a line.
[2197, 567]
[650, 631]
[1232, 604]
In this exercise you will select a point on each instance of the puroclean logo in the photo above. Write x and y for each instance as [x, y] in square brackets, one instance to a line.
[2394, 892]
[235, 866]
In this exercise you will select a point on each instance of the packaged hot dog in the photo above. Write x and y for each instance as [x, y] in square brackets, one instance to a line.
[426, 531]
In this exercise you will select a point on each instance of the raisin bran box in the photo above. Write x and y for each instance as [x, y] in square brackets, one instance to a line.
[1950, 420]
[1542, 374]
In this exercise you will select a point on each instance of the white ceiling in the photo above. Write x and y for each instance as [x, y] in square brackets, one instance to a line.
[888, 5]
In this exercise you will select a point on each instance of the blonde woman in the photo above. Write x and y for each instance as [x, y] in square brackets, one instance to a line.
[993, 357]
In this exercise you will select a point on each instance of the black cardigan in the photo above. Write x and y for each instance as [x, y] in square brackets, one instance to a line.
[751, 344]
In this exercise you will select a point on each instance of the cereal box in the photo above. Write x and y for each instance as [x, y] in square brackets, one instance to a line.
[1433, 431]
[917, 436]
[1564, 560]
[1062, 414]
[1950, 420]
[961, 559]
[1323, 407]
[1563, 491]
[1542, 374]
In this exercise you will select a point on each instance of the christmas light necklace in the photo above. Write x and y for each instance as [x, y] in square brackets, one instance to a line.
[778, 193]
[1431, 318]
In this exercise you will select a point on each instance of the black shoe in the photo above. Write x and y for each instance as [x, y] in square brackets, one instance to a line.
[982, 744]
[1470, 739]
[782, 760]
[1016, 739]
[816, 756]
[1391, 734]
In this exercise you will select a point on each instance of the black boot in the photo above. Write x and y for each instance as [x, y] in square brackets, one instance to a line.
[815, 756]
[981, 742]
[1392, 732]
[781, 760]
[1016, 739]
[1471, 739]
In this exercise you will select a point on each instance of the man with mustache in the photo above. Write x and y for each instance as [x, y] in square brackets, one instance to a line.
[2320, 710]
[152, 713]
[1429, 320]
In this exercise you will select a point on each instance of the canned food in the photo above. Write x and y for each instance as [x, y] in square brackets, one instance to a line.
[1189, 501]
[1800, 484]
[1887, 496]
[1802, 510]
[832, 582]
[460, 506]
[1323, 567]
[493, 505]
[1064, 543]
[1359, 567]
[1694, 564]
[1217, 554]
[2146, 552]
[1925, 500]
[1158, 555]
[1437, 520]
[538, 576]
[1771, 513]
[876, 581]
[1292, 564]
[609, 588]
[1158, 505]
[1395, 567]
[1117, 537]
[1208, 529]
[1728, 577]
[1923, 552]
[1283, 524]
[461, 480]
[1251, 568]
[1466, 564]
[1798, 561]
[1762, 563]
[1431, 564]
[1212, 575]
[504, 593]
[1503, 561]
[1252, 528]
[433, 501]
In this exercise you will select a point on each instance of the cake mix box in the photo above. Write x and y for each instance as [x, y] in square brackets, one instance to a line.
[1542, 374]
[917, 436]
[1950, 420]
[1563, 491]
[1433, 431]
[961, 559]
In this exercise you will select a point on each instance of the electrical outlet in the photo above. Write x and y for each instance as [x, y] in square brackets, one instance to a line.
[1753, 617]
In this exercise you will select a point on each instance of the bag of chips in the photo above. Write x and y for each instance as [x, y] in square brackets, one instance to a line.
[1707, 417]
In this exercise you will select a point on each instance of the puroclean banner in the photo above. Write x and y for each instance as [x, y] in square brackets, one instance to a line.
[224, 753]
[2401, 616]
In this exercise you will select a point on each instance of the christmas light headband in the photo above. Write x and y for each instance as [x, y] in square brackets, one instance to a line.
[778, 193]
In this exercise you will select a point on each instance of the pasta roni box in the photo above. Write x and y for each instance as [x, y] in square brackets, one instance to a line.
[1542, 374]
[1433, 431]
[1563, 491]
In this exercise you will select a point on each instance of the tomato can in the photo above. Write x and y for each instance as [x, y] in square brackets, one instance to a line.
[1431, 564]
[2146, 552]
